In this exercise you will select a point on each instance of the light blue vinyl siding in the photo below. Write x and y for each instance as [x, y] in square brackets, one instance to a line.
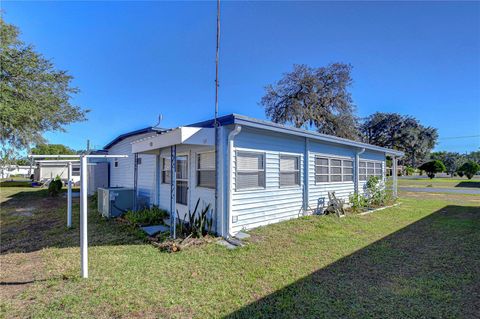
[253, 208]
[258, 207]
[319, 191]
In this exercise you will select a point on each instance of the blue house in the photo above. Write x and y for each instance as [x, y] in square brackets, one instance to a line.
[265, 172]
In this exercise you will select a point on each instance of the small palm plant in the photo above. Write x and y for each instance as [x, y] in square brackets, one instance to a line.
[197, 225]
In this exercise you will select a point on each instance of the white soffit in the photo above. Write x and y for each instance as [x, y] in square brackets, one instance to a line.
[181, 135]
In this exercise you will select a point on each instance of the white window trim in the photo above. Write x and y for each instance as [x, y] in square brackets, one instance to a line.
[330, 157]
[383, 163]
[299, 170]
[199, 169]
[264, 155]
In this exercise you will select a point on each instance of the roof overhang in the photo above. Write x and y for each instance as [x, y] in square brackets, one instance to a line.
[181, 135]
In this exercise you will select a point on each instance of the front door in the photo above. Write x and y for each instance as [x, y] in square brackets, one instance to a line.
[182, 185]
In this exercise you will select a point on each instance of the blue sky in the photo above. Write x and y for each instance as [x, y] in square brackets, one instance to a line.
[135, 60]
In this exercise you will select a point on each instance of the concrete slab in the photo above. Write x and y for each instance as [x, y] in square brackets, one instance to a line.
[152, 230]
[241, 235]
[226, 244]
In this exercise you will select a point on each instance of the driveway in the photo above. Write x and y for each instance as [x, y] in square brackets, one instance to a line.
[441, 190]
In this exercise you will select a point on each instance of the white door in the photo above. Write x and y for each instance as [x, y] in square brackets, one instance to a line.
[182, 185]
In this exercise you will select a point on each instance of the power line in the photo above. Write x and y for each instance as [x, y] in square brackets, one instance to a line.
[458, 137]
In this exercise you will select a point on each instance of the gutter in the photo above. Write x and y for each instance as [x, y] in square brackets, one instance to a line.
[231, 136]
[357, 169]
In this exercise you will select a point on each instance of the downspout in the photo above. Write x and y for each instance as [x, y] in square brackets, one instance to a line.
[231, 136]
[306, 164]
[357, 170]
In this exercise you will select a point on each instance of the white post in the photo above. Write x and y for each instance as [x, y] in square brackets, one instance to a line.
[394, 176]
[69, 196]
[83, 215]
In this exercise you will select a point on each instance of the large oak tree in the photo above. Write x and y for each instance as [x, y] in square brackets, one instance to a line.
[316, 97]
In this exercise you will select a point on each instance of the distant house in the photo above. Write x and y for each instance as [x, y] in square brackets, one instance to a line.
[266, 172]
[48, 169]
[8, 171]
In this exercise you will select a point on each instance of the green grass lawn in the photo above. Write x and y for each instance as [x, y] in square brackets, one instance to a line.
[419, 259]
[441, 182]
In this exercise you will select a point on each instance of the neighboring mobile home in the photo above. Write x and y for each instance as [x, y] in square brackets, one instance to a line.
[266, 172]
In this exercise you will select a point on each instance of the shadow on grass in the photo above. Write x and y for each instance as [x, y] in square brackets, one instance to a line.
[33, 221]
[427, 269]
[468, 184]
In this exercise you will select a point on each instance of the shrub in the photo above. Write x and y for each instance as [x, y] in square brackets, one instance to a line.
[375, 191]
[409, 170]
[358, 202]
[197, 225]
[146, 216]
[55, 187]
[469, 169]
[433, 167]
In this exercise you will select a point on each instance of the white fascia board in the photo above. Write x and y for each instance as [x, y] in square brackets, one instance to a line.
[178, 136]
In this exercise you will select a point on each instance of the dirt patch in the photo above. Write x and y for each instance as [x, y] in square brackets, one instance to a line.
[18, 272]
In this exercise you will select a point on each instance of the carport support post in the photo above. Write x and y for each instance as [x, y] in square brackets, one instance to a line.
[173, 191]
[69, 196]
[394, 176]
[83, 215]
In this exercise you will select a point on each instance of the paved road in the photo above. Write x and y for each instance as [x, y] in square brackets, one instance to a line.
[441, 190]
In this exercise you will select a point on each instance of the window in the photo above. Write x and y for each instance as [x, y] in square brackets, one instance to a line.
[368, 169]
[206, 170]
[289, 170]
[321, 170]
[333, 170]
[250, 170]
[166, 171]
[347, 172]
[75, 171]
[181, 176]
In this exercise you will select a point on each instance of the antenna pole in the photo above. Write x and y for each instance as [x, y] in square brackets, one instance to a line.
[216, 62]
[218, 181]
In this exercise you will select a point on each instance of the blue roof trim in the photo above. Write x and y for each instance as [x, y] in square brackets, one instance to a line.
[133, 133]
[261, 124]
[267, 125]
[222, 120]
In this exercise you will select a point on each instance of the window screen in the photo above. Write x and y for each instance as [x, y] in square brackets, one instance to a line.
[166, 171]
[289, 170]
[206, 170]
[333, 170]
[250, 170]
[368, 169]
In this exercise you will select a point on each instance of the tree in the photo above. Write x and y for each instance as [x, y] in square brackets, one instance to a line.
[451, 160]
[53, 149]
[34, 96]
[469, 169]
[432, 168]
[316, 97]
[400, 132]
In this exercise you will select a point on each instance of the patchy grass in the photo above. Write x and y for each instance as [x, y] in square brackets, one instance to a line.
[419, 259]
[441, 182]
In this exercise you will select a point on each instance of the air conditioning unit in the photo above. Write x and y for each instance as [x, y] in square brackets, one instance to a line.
[114, 201]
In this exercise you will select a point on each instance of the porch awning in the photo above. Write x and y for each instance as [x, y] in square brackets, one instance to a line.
[178, 136]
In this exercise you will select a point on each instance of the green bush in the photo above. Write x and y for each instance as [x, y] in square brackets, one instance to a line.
[197, 225]
[469, 169]
[409, 170]
[146, 216]
[55, 187]
[433, 167]
[358, 202]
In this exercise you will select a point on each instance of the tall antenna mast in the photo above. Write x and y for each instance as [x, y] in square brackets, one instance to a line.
[216, 62]
[218, 211]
